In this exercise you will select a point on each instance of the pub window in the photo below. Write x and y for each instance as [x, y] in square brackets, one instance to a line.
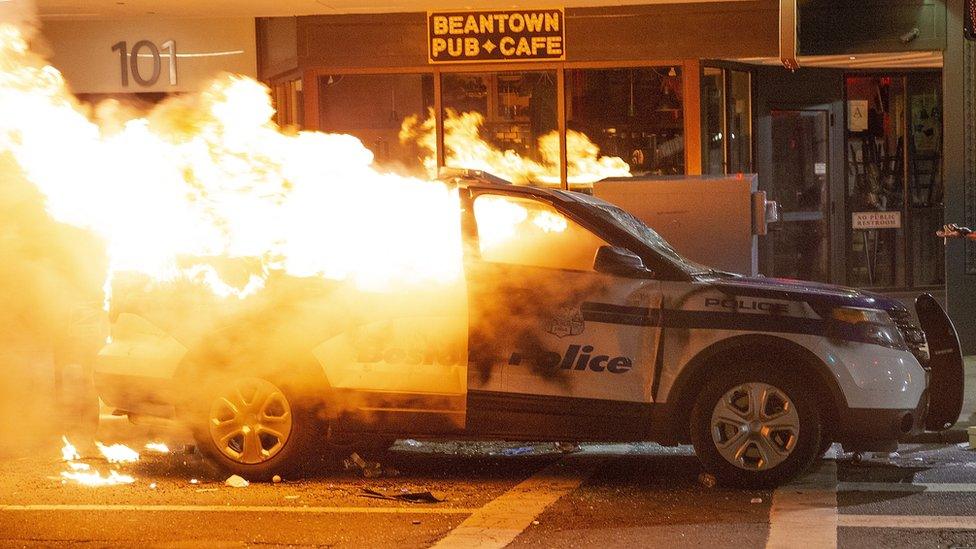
[740, 121]
[372, 107]
[727, 121]
[894, 168]
[516, 108]
[633, 113]
[287, 99]
[714, 125]
[926, 212]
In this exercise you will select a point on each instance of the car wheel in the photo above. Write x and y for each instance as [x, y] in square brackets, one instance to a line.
[825, 444]
[255, 428]
[755, 426]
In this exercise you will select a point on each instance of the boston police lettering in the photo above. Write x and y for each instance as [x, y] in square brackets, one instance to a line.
[523, 35]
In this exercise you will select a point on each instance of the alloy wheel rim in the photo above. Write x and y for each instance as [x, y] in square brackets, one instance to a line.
[250, 421]
[755, 426]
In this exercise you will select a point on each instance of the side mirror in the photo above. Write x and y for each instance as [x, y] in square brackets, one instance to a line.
[621, 262]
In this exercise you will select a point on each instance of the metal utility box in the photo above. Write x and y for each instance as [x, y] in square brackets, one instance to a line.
[714, 220]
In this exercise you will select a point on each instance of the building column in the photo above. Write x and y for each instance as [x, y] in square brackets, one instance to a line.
[959, 171]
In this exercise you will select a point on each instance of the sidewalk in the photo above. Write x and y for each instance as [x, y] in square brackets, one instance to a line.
[968, 415]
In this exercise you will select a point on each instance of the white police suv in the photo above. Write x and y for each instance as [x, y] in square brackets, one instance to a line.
[574, 322]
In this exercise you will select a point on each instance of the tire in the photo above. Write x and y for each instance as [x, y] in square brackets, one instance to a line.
[753, 454]
[255, 427]
[825, 443]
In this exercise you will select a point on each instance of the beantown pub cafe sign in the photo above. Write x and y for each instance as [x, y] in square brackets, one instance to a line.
[509, 35]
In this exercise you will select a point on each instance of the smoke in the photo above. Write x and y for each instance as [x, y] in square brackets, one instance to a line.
[224, 246]
[50, 289]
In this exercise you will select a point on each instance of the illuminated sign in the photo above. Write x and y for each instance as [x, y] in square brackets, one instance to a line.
[509, 35]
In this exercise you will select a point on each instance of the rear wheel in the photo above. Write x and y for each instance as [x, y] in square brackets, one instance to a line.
[755, 426]
[825, 445]
[255, 428]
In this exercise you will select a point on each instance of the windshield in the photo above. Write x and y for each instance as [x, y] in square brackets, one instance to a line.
[636, 228]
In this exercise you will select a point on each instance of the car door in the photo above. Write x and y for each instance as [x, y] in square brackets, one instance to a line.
[557, 349]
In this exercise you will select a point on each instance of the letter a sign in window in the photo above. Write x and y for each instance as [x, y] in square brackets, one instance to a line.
[509, 35]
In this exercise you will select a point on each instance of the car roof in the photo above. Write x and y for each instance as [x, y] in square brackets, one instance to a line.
[464, 178]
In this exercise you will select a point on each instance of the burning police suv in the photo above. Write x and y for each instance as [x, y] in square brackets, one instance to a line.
[573, 321]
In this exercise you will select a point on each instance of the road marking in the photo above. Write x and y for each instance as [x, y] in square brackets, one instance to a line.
[805, 511]
[906, 487]
[908, 521]
[238, 509]
[500, 521]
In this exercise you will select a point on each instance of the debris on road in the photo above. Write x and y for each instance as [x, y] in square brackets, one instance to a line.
[410, 497]
[707, 480]
[235, 481]
[368, 469]
[568, 447]
[194, 481]
[276, 479]
[521, 450]
[412, 443]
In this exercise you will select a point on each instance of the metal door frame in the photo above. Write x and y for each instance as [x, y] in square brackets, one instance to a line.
[829, 204]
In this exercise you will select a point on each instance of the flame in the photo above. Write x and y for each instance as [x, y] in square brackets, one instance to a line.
[68, 451]
[500, 220]
[83, 474]
[550, 222]
[118, 453]
[158, 447]
[94, 478]
[210, 175]
[465, 148]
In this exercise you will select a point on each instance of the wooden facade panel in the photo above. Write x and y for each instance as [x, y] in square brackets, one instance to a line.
[633, 33]
[277, 41]
[716, 30]
[830, 27]
[384, 40]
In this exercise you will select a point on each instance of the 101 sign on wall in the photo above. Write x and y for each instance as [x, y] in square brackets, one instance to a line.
[129, 61]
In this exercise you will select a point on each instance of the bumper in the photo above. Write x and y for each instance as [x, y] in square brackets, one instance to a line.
[136, 394]
[880, 429]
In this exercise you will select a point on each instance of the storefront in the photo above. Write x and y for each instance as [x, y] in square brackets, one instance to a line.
[854, 146]
[628, 79]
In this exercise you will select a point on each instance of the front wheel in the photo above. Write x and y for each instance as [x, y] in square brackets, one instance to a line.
[254, 427]
[755, 426]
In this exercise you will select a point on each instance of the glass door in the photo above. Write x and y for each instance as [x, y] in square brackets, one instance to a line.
[797, 246]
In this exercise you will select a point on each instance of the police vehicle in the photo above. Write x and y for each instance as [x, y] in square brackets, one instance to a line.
[574, 321]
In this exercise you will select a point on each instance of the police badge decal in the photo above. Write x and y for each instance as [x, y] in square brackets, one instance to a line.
[566, 322]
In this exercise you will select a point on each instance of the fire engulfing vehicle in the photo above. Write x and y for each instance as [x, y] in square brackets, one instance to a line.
[573, 321]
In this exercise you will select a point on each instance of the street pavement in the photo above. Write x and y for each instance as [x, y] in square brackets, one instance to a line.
[494, 495]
